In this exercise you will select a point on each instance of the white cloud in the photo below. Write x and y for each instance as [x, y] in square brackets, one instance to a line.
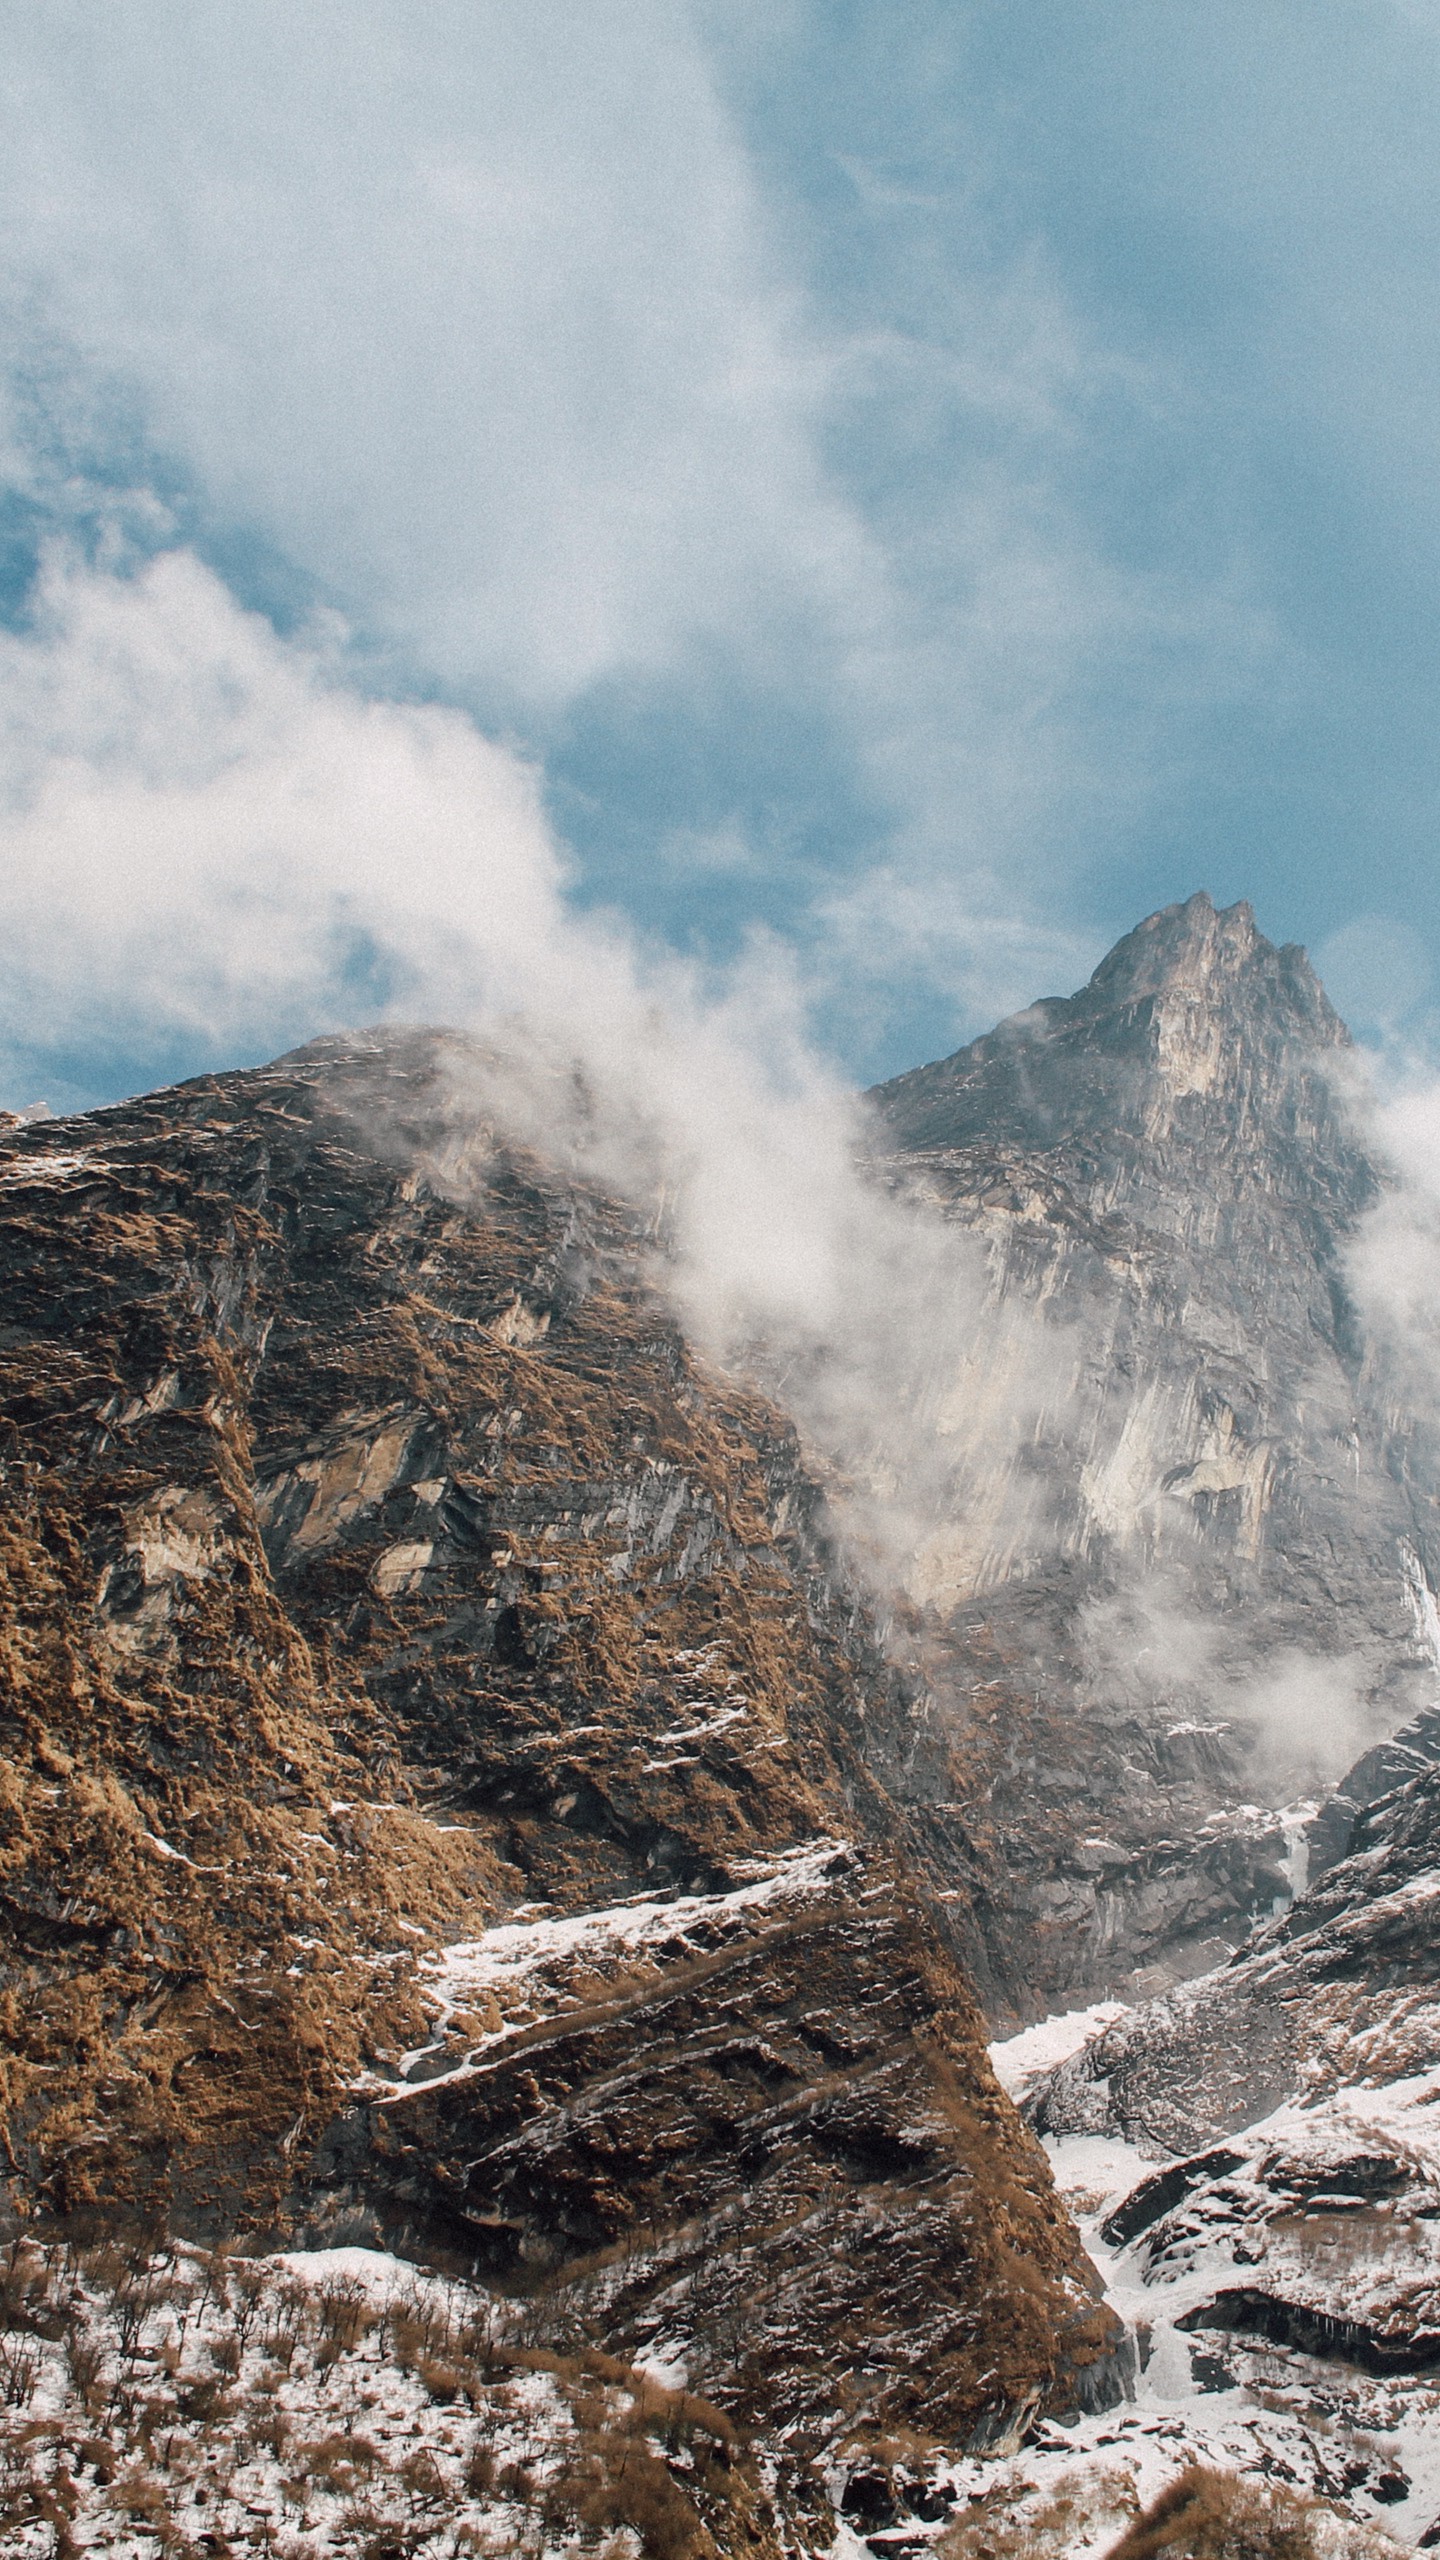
[201, 823]
[200, 828]
[1393, 1264]
[487, 318]
[469, 311]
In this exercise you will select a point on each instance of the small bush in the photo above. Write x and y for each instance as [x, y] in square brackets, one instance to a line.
[137, 2495]
[1203, 2515]
[480, 2472]
[19, 2371]
[338, 2463]
[27, 2300]
[204, 2397]
[290, 2320]
[616, 2481]
[1214, 2515]
[423, 2479]
[443, 2380]
[345, 2316]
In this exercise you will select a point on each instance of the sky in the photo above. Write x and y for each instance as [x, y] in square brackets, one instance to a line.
[859, 501]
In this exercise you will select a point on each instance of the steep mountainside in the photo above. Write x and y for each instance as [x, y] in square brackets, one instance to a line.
[461, 1815]
[437, 1806]
[1185, 1570]
[1269, 2135]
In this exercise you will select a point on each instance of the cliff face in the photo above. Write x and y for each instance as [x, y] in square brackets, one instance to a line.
[437, 1802]
[1278, 2236]
[1186, 1572]
[457, 1804]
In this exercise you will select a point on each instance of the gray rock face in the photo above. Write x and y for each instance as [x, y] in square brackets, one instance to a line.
[1295, 2091]
[1187, 1577]
[1344, 1987]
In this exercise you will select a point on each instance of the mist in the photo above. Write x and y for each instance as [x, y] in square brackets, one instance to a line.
[1393, 1267]
[209, 834]
[1304, 1716]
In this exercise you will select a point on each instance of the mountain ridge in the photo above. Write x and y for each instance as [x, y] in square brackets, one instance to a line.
[1215, 1506]
[464, 1808]
[383, 1577]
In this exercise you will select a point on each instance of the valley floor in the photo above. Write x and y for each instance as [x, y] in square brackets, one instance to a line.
[315, 2404]
[1366, 2445]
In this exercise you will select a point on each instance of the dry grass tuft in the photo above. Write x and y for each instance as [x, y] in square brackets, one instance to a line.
[1202, 2515]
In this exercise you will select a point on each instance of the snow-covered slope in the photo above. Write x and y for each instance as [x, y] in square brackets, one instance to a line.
[1255, 2162]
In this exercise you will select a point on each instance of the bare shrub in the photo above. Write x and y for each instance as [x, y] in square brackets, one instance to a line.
[1203, 2515]
[443, 2380]
[415, 2331]
[103, 2267]
[269, 2425]
[423, 2479]
[138, 2294]
[136, 2494]
[19, 2371]
[203, 2397]
[248, 2287]
[614, 2480]
[289, 2320]
[1215, 2515]
[28, 2303]
[339, 2463]
[479, 2472]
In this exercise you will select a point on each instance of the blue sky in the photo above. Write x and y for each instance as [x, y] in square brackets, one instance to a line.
[904, 490]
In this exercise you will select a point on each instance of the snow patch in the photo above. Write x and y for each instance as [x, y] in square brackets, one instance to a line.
[1020, 2060]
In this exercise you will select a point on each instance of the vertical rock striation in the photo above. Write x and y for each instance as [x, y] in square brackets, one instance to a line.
[1184, 1570]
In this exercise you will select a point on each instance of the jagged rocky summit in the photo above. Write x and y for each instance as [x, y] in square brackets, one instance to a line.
[1186, 1564]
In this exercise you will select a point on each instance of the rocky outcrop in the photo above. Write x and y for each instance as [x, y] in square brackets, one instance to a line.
[381, 1570]
[1296, 2091]
[742, 2137]
[1344, 1986]
[1185, 1566]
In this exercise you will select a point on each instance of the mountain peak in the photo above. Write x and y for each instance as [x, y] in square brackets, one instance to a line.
[1193, 1028]
[1209, 950]
[1190, 942]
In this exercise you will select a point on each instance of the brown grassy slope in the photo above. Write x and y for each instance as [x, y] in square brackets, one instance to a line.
[376, 1558]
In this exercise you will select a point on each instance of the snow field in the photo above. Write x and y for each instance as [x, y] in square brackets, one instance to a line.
[322, 2403]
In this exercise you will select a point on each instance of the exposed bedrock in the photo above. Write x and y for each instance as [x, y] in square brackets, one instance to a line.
[1308, 2068]
[757, 2147]
[1182, 1573]
[380, 1570]
[1345, 1987]
[388, 1587]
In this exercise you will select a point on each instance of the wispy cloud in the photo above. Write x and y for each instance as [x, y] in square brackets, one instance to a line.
[502, 332]
[206, 832]
[207, 838]
[471, 313]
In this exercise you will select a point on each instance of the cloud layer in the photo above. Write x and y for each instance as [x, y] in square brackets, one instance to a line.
[206, 835]
[510, 333]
